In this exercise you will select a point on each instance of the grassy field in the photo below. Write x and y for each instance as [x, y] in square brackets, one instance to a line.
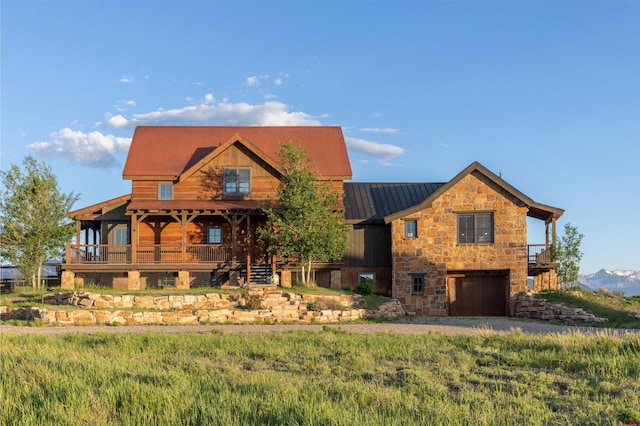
[618, 309]
[318, 378]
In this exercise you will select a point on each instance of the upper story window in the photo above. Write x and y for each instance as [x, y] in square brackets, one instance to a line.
[411, 229]
[121, 234]
[214, 235]
[237, 181]
[165, 191]
[475, 227]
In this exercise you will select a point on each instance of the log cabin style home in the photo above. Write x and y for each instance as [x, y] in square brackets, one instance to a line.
[448, 248]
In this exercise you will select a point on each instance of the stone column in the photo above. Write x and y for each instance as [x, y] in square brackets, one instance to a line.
[183, 280]
[133, 280]
[335, 281]
[67, 281]
[285, 279]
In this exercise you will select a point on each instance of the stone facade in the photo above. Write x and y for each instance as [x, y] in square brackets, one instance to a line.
[436, 251]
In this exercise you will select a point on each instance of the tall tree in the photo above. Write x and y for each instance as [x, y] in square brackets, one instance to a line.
[33, 217]
[568, 255]
[303, 223]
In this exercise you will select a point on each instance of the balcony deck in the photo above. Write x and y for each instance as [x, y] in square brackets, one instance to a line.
[540, 259]
[153, 257]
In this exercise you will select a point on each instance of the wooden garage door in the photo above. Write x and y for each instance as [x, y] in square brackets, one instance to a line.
[480, 295]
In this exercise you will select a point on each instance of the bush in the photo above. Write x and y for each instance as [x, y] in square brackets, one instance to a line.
[364, 288]
[324, 304]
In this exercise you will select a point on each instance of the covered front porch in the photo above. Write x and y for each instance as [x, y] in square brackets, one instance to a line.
[142, 238]
[541, 261]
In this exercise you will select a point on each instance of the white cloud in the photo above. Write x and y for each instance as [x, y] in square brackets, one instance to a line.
[223, 113]
[92, 149]
[379, 130]
[117, 121]
[277, 81]
[254, 80]
[384, 153]
[209, 98]
[128, 102]
[126, 79]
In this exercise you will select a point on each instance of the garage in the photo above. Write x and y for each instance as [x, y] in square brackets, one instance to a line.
[478, 293]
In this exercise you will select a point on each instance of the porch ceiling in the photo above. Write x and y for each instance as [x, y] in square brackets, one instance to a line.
[544, 212]
[201, 205]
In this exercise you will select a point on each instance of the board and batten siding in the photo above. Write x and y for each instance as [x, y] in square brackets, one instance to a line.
[368, 245]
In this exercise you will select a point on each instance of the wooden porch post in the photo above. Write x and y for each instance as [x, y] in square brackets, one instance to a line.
[78, 231]
[553, 225]
[234, 239]
[546, 234]
[134, 238]
[249, 249]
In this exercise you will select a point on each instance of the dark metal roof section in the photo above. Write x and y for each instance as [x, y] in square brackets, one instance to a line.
[371, 202]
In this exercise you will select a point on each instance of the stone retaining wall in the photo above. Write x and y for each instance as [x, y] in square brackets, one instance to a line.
[390, 310]
[266, 298]
[185, 316]
[524, 305]
[274, 306]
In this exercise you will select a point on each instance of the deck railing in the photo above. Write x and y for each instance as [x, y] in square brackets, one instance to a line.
[539, 254]
[157, 253]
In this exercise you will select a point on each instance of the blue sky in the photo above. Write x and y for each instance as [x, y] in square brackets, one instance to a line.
[547, 94]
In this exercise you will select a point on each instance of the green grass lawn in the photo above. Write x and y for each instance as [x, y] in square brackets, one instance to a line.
[618, 309]
[318, 378]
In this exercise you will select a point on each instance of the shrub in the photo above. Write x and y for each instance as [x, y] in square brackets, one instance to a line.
[324, 304]
[364, 288]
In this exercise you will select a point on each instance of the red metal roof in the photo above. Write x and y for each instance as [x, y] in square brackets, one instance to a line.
[168, 151]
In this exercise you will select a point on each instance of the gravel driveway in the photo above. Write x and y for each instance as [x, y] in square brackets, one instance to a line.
[416, 325]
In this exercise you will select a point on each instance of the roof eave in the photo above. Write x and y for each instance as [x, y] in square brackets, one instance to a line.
[108, 204]
[475, 166]
[237, 137]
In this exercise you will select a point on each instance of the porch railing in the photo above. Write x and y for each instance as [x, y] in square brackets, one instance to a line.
[539, 254]
[157, 253]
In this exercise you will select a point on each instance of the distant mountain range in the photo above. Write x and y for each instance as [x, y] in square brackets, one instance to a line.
[627, 282]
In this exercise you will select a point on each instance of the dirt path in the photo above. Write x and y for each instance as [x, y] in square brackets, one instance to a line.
[419, 325]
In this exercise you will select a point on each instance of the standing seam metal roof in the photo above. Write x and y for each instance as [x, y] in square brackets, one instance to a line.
[370, 201]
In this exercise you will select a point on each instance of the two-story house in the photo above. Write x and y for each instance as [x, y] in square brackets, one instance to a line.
[450, 248]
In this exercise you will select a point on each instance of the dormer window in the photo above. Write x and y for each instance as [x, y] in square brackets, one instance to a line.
[237, 181]
[165, 191]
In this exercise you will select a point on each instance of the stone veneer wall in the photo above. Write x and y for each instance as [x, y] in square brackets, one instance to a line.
[436, 251]
[276, 306]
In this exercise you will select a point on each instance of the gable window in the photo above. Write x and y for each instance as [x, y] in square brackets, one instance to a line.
[165, 191]
[411, 229]
[237, 181]
[214, 235]
[417, 284]
[475, 228]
